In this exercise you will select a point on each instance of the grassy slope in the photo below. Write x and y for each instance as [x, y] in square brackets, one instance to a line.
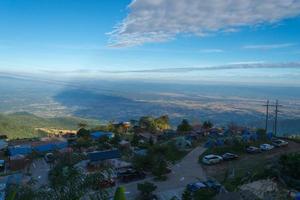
[21, 125]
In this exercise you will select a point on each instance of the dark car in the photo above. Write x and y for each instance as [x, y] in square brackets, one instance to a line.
[131, 175]
[252, 149]
[49, 157]
[194, 187]
[229, 156]
[213, 185]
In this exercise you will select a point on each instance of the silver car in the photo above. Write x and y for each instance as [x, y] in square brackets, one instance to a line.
[211, 159]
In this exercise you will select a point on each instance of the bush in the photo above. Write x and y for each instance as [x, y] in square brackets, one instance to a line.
[205, 193]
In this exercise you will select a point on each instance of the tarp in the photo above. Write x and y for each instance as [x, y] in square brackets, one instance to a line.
[19, 149]
[99, 134]
[50, 146]
[104, 155]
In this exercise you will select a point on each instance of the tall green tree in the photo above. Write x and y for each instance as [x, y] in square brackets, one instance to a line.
[184, 126]
[120, 194]
[146, 190]
[207, 124]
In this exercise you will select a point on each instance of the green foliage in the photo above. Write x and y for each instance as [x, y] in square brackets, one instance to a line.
[187, 195]
[135, 140]
[160, 169]
[290, 165]
[146, 190]
[120, 194]
[22, 125]
[153, 125]
[184, 126]
[204, 193]
[167, 152]
[83, 132]
[261, 133]
[207, 124]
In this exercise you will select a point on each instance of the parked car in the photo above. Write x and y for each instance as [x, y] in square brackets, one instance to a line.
[194, 187]
[131, 175]
[49, 157]
[266, 147]
[279, 143]
[211, 159]
[252, 149]
[229, 156]
[213, 185]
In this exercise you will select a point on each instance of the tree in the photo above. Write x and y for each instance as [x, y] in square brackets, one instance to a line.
[184, 126]
[187, 195]
[82, 124]
[146, 189]
[135, 140]
[207, 125]
[148, 123]
[82, 132]
[120, 194]
[116, 139]
[160, 169]
[162, 122]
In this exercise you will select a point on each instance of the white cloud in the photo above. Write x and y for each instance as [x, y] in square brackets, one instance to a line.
[269, 46]
[161, 20]
[211, 51]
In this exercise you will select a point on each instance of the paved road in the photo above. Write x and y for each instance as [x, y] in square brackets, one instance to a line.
[39, 171]
[186, 171]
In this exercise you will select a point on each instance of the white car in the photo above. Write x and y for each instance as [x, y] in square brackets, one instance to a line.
[266, 147]
[211, 159]
[279, 143]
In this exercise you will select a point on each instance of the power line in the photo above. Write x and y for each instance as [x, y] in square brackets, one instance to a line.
[268, 105]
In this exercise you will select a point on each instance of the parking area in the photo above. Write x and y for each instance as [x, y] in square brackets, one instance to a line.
[39, 170]
[188, 170]
[249, 161]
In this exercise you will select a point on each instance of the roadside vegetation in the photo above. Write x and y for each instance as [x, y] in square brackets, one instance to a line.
[23, 124]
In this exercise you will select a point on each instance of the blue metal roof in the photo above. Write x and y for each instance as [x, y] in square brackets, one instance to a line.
[100, 134]
[20, 149]
[104, 155]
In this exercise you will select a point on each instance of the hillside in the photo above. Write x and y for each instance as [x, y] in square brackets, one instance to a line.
[22, 124]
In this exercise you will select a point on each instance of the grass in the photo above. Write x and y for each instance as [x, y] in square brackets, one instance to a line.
[22, 125]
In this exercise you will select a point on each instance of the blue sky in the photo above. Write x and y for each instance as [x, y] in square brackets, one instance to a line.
[108, 36]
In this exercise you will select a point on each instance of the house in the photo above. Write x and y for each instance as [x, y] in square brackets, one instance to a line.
[103, 155]
[18, 162]
[45, 146]
[24, 149]
[148, 136]
[99, 159]
[100, 134]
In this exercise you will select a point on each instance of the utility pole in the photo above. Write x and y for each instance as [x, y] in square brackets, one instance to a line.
[276, 116]
[267, 116]
[268, 105]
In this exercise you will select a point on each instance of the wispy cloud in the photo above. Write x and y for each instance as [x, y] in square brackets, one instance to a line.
[269, 46]
[233, 66]
[211, 51]
[161, 20]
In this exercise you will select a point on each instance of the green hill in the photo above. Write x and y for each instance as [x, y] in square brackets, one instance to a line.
[22, 124]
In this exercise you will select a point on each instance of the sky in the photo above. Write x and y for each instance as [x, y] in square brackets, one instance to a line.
[188, 40]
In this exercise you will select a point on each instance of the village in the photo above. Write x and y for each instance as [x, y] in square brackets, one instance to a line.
[147, 159]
